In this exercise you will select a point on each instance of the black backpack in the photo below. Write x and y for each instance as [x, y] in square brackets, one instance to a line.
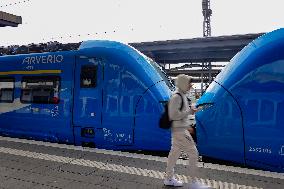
[165, 122]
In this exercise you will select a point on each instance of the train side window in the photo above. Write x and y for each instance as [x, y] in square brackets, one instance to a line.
[7, 86]
[88, 76]
[40, 90]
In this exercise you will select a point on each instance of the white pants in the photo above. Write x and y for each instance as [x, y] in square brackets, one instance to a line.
[182, 141]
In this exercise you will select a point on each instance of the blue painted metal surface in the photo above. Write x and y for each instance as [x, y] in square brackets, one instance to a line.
[120, 111]
[241, 113]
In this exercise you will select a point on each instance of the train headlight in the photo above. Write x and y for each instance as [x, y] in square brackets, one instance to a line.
[205, 106]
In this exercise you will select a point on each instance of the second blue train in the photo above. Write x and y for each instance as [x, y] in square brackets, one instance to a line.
[241, 117]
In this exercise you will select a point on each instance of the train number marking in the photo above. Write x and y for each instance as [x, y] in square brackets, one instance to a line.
[260, 150]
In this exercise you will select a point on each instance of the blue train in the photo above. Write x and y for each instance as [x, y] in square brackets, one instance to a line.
[105, 94]
[241, 117]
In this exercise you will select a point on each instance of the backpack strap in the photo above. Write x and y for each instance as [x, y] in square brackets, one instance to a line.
[181, 101]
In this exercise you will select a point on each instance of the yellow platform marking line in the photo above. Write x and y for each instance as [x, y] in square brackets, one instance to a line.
[31, 72]
[120, 168]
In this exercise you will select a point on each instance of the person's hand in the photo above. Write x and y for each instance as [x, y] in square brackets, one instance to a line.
[191, 130]
[194, 109]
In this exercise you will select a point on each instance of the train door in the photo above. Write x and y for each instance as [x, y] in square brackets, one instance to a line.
[262, 100]
[118, 114]
[87, 116]
[264, 131]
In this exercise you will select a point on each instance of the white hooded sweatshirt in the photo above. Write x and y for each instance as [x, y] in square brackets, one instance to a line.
[180, 117]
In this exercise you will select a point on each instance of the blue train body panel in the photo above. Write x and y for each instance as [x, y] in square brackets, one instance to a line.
[105, 94]
[241, 117]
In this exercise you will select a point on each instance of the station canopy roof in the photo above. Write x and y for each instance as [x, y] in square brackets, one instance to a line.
[7, 19]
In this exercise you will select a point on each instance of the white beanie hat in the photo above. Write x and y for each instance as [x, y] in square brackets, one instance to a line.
[182, 82]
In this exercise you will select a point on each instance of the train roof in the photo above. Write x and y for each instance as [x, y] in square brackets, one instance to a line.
[114, 45]
[70, 47]
[56, 47]
[102, 43]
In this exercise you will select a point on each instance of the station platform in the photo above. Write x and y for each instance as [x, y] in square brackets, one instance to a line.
[27, 164]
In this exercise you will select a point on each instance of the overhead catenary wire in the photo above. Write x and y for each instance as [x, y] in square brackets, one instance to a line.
[77, 37]
[80, 35]
[15, 3]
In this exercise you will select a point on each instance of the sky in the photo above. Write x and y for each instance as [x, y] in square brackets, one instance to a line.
[135, 20]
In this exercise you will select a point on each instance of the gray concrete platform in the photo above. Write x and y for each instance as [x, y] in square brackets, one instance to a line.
[26, 164]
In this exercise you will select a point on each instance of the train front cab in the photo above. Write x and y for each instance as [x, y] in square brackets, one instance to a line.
[241, 113]
[103, 102]
[219, 125]
[122, 107]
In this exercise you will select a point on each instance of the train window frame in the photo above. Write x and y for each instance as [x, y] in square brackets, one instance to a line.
[52, 98]
[87, 79]
[8, 79]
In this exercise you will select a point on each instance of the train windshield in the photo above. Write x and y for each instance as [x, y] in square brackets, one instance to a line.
[161, 72]
[234, 64]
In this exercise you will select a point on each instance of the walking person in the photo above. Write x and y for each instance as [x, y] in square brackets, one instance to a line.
[179, 111]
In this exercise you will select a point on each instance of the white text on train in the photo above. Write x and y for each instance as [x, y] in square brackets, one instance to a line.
[43, 59]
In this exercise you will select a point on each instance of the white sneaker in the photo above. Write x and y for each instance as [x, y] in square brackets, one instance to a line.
[173, 182]
[197, 185]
